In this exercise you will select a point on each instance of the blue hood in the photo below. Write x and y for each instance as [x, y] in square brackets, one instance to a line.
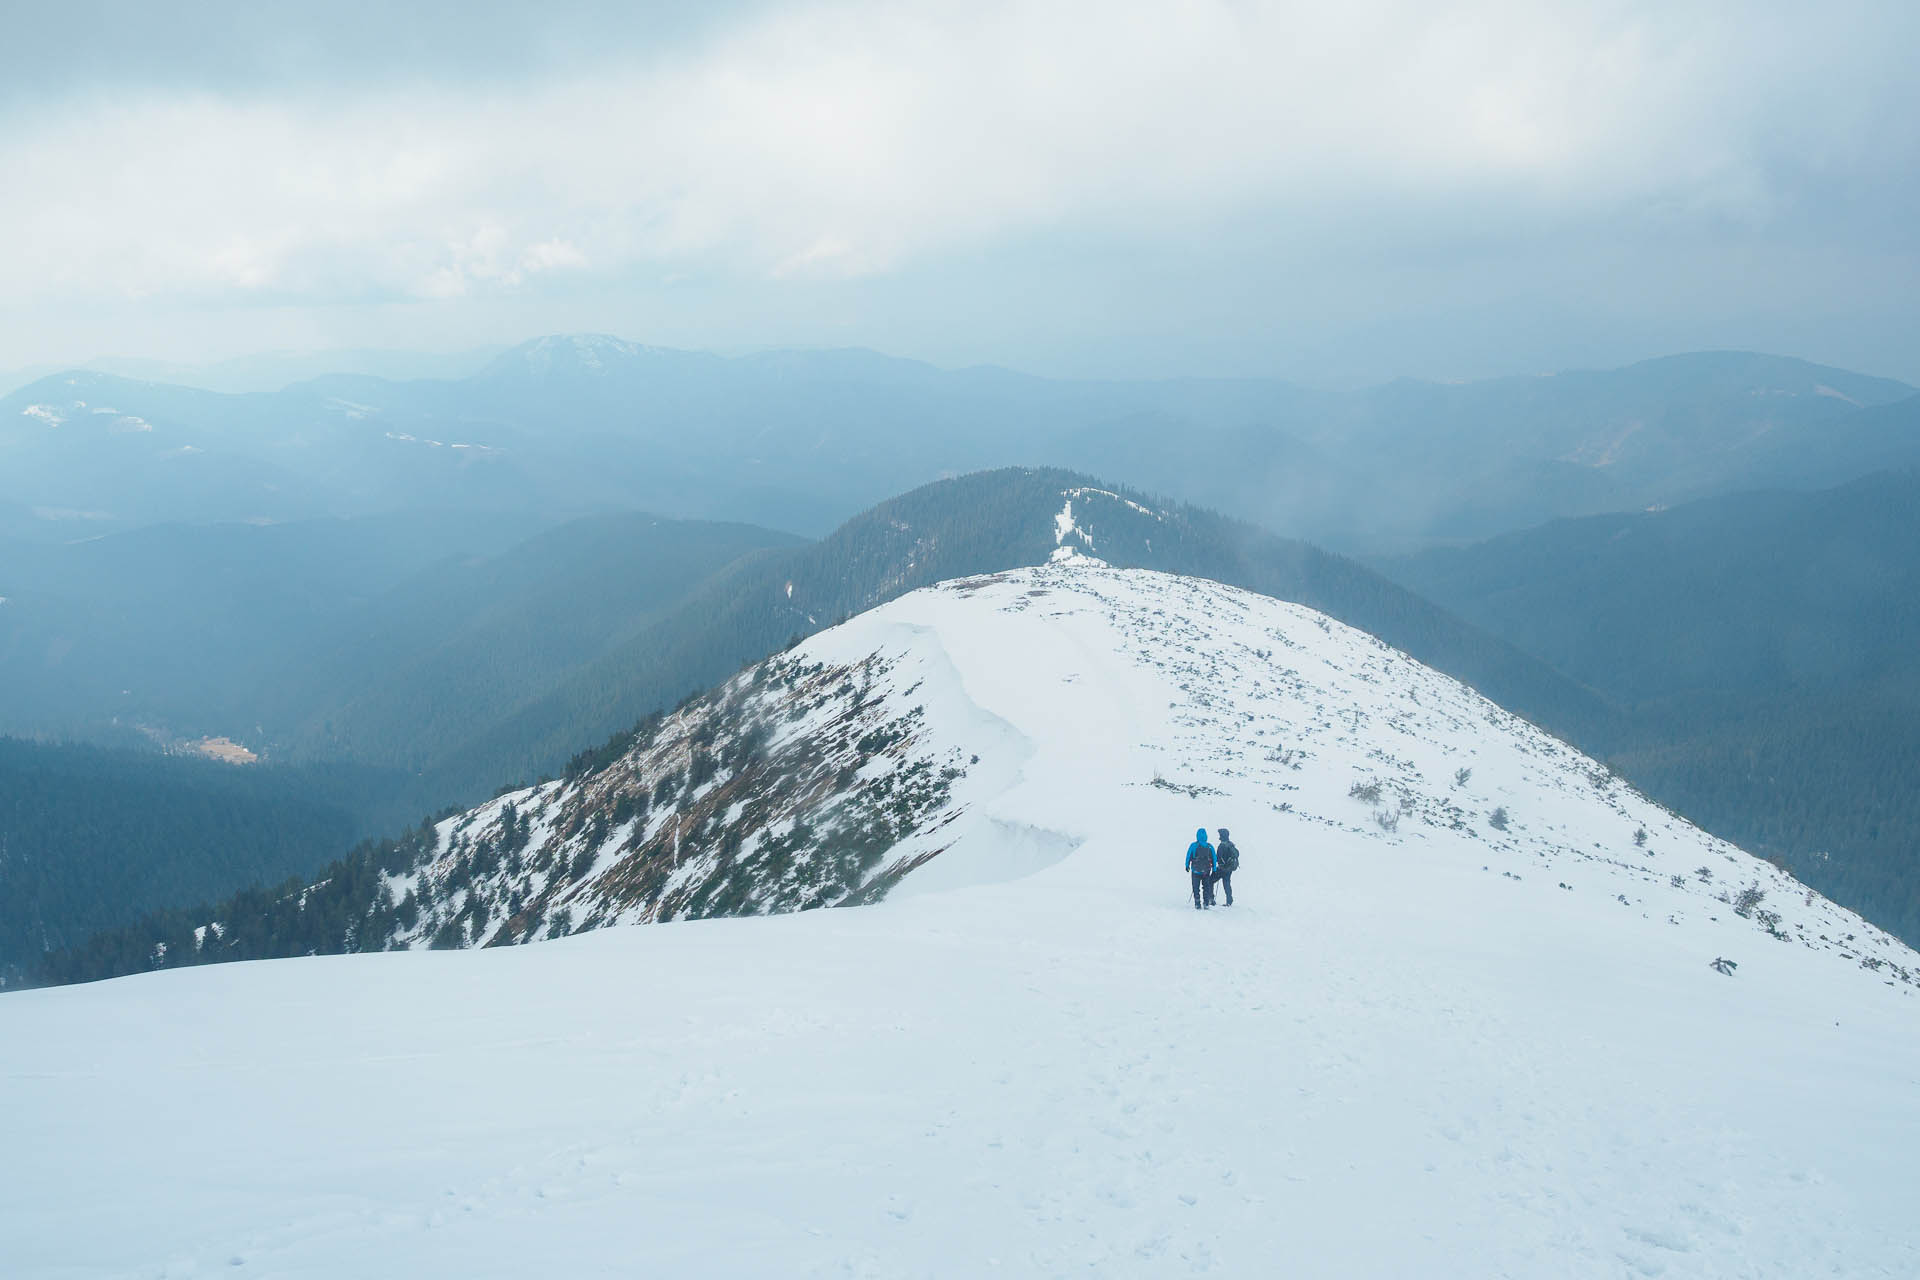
[1201, 835]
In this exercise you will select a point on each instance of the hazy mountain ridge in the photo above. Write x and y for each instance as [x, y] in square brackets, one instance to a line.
[105, 453]
[177, 626]
[462, 646]
[277, 370]
[1795, 589]
[975, 524]
[806, 438]
[465, 652]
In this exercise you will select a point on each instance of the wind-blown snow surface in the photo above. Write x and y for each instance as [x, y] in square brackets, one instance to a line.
[1441, 1050]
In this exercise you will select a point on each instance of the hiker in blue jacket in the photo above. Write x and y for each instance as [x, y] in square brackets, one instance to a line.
[1200, 865]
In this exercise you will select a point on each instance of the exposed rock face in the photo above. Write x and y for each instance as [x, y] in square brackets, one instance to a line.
[797, 784]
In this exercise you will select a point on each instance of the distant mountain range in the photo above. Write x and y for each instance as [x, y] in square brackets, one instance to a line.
[273, 370]
[803, 439]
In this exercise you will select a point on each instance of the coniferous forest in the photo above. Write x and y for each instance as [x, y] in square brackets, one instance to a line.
[92, 838]
[1759, 648]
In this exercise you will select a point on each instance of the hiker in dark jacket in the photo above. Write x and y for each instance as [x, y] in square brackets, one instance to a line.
[1200, 866]
[1226, 862]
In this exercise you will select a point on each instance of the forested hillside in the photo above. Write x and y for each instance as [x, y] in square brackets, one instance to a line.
[456, 648]
[1762, 647]
[1822, 782]
[385, 641]
[92, 838]
[178, 626]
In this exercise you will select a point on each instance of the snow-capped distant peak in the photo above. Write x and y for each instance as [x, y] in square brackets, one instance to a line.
[591, 354]
[591, 351]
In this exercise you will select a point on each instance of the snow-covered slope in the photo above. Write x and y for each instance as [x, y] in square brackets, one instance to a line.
[1462, 1020]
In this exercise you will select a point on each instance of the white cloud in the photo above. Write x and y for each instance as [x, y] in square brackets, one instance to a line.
[551, 255]
[851, 139]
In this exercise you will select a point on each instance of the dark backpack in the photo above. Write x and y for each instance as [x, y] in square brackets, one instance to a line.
[1202, 859]
[1229, 856]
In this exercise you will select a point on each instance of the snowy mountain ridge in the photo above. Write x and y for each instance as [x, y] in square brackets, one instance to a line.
[867, 760]
[1463, 1019]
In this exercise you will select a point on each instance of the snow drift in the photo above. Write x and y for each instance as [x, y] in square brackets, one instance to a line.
[1465, 1020]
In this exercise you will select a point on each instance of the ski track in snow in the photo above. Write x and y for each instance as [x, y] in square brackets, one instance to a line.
[1403, 1053]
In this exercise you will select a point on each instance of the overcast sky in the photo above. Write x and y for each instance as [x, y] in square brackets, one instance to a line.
[1322, 191]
